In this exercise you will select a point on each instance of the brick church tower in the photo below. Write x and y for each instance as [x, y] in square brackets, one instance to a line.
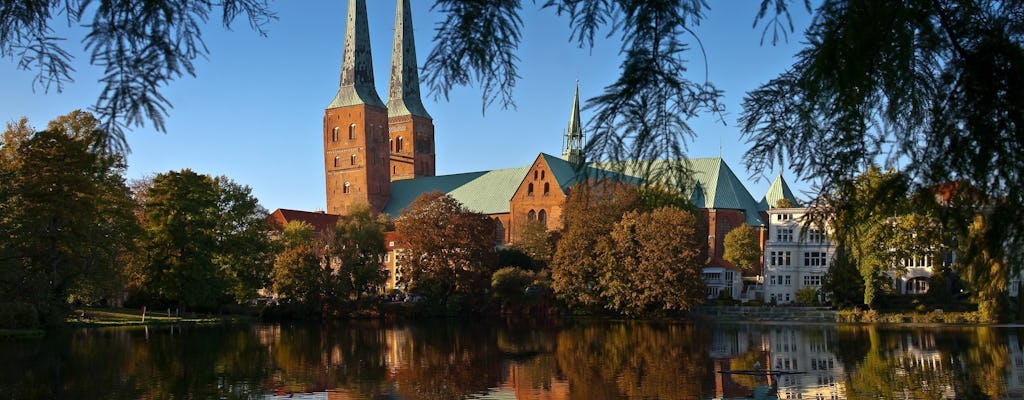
[356, 159]
[410, 127]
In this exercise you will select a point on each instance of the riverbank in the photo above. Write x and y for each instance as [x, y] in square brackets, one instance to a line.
[83, 317]
[828, 315]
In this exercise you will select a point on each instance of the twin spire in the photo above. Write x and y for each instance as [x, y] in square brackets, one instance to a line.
[357, 85]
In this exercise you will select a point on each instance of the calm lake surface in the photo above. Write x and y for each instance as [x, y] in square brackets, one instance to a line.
[446, 359]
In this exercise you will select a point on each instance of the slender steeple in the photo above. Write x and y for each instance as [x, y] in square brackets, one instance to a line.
[404, 87]
[573, 141]
[357, 65]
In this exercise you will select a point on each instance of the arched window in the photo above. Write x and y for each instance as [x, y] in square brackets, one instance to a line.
[347, 188]
[352, 160]
[547, 188]
[529, 189]
[542, 216]
[391, 145]
[532, 215]
[337, 161]
[352, 132]
[399, 144]
[542, 174]
[534, 175]
[334, 134]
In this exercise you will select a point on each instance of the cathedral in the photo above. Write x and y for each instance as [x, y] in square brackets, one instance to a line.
[382, 154]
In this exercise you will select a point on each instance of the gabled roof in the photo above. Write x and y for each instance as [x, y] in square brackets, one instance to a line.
[320, 220]
[777, 191]
[567, 175]
[485, 192]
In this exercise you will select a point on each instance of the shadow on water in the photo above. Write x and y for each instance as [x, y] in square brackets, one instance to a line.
[448, 359]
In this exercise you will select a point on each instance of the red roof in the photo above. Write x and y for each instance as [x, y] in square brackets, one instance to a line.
[321, 221]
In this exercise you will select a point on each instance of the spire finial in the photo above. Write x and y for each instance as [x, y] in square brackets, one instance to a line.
[356, 86]
[573, 142]
[404, 87]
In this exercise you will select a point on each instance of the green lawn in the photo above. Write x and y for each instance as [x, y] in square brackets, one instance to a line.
[123, 316]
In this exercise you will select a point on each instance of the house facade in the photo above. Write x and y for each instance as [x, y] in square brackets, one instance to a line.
[796, 255]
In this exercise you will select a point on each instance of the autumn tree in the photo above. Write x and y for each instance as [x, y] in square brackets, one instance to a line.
[589, 216]
[66, 224]
[447, 250]
[359, 247]
[653, 263]
[741, 248]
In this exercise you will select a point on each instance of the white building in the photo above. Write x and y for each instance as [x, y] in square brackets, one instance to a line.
[795, 256]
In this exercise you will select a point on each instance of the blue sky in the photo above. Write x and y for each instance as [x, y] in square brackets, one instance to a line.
[254, 111]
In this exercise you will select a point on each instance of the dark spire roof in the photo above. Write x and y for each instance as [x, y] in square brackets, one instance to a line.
[404, 88]
[357, 65]
[573, 143]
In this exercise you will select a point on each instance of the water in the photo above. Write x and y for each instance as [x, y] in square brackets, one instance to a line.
[501, 360]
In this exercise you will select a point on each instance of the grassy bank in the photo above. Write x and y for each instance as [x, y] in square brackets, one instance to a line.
[934, 317]
[122, 316]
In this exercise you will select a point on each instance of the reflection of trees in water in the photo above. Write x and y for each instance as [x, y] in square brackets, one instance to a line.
[643, 360]
[134, 363]
[922, 363]
[449, 360]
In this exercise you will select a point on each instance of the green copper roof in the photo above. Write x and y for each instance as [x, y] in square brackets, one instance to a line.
[404, 87]
[356, 86]
[489, 192]
[485, 192]
[777, 191]
[722, 189]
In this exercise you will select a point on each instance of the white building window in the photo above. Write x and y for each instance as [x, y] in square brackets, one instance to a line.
[815, 259]
[784, 235]
[789, 282]
[812, 280]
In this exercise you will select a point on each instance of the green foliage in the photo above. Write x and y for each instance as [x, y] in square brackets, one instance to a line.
[741, 248]
[807, 295]
[69, 223]
[448, 250]
[359, 248]
[509, 283]
[894, 84]
[140, 45]
[535, 241]
[300, 278]
[843, 283]
[205, 241]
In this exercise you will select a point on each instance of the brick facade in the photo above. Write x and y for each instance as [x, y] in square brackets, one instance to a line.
[539, 197]
[356, 158]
